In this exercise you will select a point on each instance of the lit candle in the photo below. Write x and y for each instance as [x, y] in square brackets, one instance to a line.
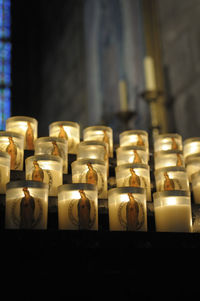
[91, 171]
[192, 165]
[100, 133]
[123, 96]
[47, 169]
[26, 205]
[77, 207]
[173, 211]
[134, 175]
[149, 70]
[131, 154]
[127, 209]
[170, 141]
[13, 144]
[68, 130]
[191, 146]
[134, 138]
[169, 158]
[26, 126]
[171, 178]
[53, 146]
[4, 171]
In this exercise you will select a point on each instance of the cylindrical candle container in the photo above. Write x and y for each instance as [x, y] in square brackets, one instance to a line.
[127, 209]
[169, 158]
[192, 164]
[47, 169]
[173, 211]
[26, 126]
[91, 171]
[77, 207]
[134, 137]
[68, 130]
[26, 205]
[13, 144]
[195, 179]
[92, 150]
[171, 178]
[100, 133]
[168, 141]
[191, 146]
[4, 171]
[53, 146]
[131, 154]
[134, 175]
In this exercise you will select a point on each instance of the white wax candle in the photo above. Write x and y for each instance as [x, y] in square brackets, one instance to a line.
[173, 218]
[123, 96]
[149, 71]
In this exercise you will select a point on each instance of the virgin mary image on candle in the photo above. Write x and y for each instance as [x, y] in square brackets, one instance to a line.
[27, 208]
[84, 208]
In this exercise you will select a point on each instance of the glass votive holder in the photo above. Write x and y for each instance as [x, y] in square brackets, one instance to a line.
[93, 150]
[171, 178]
[164, 142]
[13, 144]
[47, 169]
[134, 175]
[191, 146]
[195, 179]
[173, 211]
[134, 137]
[26, 126]
[91, 171]
[53, 146]
[77, 207]
[26, 205]
[100, 133]
[192, 164]
[131, 154]
[168, 158]
[68, 130]
[127, 209]
[4, 171]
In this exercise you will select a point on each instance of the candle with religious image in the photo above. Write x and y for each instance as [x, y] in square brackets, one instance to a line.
[53, 146]
[169, 141]
[173, 211]
[13, 144]
[169, 158]
[127, 209]
[131, 154]
[77, 207]
[191, 146]
[91, 171]
[192, 164]
[134, 175]
[68, 130]
[26, 126]
[171, 178]
[26, 205]
[94, 150]
[134, 137]
[4, 171]
[100, 133]
[47, 169]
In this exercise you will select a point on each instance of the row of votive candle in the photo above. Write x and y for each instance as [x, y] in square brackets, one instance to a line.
[175, 161]
[26, 207]
[172, 201]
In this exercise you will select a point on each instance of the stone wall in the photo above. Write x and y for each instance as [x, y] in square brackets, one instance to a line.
[48, 66]
[180, 33]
